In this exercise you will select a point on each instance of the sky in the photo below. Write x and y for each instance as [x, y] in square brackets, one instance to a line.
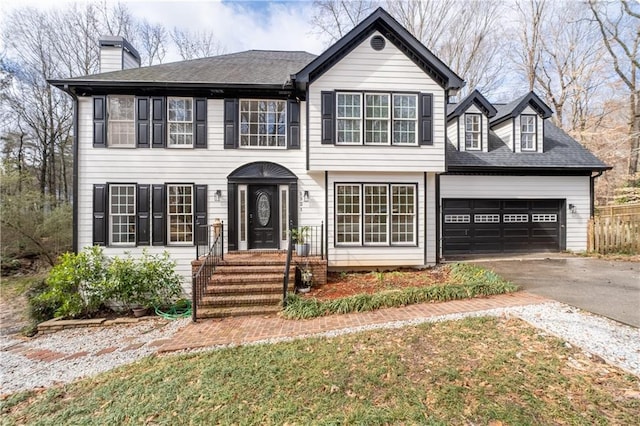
[238, 25]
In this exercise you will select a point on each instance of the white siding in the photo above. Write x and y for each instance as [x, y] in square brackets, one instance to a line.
[453, 133]
[130, 61]
[209, 166]
[387, 256]
[504, 131]
[110, 59]
[574, 189]
[387, 70]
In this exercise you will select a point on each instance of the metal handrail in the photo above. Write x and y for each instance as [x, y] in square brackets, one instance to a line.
[203, 275]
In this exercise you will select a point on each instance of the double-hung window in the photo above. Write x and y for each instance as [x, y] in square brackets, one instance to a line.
[528, 132]
[405, 115]
[376, 214]
[349, 118]
[122, 214]
[180, 213]
[472, 132]
[180, 121]
[121, 122]
[263, 123]
[376, 118]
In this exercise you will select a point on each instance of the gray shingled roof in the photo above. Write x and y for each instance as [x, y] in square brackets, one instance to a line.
[514, 108]
[560, 151]
[253, 67]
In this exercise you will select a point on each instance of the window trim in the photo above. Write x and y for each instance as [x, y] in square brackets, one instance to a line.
[467, 146]
[285, 112]
[169, 214]
[363, 120]
[110, 120]
[110, 242]
[389, 241]
[169, 122]
[534, 133]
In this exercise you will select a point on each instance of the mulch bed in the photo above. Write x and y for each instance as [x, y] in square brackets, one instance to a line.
[341, 284]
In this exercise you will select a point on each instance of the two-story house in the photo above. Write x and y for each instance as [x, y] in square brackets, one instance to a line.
[361, 139]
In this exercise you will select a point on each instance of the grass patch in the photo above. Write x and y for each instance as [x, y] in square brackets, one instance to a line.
[472, 371]
[465, 281]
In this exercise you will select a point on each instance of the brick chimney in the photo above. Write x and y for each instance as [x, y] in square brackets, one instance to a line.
[117, 54]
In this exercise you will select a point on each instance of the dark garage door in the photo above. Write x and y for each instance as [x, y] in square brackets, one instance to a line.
[472, 226]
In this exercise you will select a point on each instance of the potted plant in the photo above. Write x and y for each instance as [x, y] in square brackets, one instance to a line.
[299, 236]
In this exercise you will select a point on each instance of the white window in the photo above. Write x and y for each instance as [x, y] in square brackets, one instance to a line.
[457, 218]
[122, 214]
[349, 118]
[180, 213]
[263, 123]
[528, 132]
[121, 121]
[376, 119]
[348, 214]
[403, 214]
[486, 218]
[180, 120]
[405, 116]
[383, 215]
[515, 218]
[376, 201]
[472, 132]
[544, 217]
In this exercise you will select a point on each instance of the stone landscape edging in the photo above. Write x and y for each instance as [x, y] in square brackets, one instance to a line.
[57, 324]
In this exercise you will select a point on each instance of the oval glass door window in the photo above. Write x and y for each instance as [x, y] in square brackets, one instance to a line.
[264, 209]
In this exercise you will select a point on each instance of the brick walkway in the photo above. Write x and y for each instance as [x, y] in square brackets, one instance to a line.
[248, 329]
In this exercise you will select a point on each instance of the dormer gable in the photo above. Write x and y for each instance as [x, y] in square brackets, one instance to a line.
[390, 30]
[520, 123]
[468, 122]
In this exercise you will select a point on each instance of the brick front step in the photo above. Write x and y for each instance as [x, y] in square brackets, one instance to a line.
[244, 278]
[241, 300]
[237, 311]
[252, 269]
[235, 289]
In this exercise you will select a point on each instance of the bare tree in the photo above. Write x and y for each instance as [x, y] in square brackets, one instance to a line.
[426, 20]
[152, 42]
[196, 44]
[335, 18]
[619, 26]
[531, 16]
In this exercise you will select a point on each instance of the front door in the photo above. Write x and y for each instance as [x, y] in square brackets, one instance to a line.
[263, 217]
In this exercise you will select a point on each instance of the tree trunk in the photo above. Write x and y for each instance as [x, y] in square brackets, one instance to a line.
[634, 133]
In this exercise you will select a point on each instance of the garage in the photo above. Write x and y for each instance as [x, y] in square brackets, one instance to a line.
[480, 226]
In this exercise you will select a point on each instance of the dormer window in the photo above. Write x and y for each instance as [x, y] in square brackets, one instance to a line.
[473, 135]
[528, 132]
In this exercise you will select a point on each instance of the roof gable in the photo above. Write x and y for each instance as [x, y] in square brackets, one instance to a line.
[382, 22]
[473, 98]
[515, 108]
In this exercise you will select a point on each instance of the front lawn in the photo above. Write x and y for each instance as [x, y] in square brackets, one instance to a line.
[472, 371]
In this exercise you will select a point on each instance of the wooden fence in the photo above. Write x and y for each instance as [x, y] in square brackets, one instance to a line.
[615, 229]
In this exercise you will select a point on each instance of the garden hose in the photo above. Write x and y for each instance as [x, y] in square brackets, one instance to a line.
[175, 312]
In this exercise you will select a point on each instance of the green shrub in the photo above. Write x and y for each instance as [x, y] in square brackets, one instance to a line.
[81, 284]
[39, 309]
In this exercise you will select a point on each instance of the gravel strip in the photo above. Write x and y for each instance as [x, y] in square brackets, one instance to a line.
[616, 343]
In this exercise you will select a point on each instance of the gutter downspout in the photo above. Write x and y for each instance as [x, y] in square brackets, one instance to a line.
[76, 150]
[592, 192]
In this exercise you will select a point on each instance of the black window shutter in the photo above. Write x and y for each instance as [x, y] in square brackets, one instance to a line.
[230, 123]
[426, 119]
[294, 124]
[200, 123]
[159, 123]
[100, 121]
[143, 217]
[142, 122]
[328, 118]
[200, 216]
[159, 214]
[100, 213]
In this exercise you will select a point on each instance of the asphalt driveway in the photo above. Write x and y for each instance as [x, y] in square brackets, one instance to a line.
[604, 287]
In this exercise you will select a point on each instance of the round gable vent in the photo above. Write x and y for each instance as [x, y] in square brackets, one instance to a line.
[377, 42]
